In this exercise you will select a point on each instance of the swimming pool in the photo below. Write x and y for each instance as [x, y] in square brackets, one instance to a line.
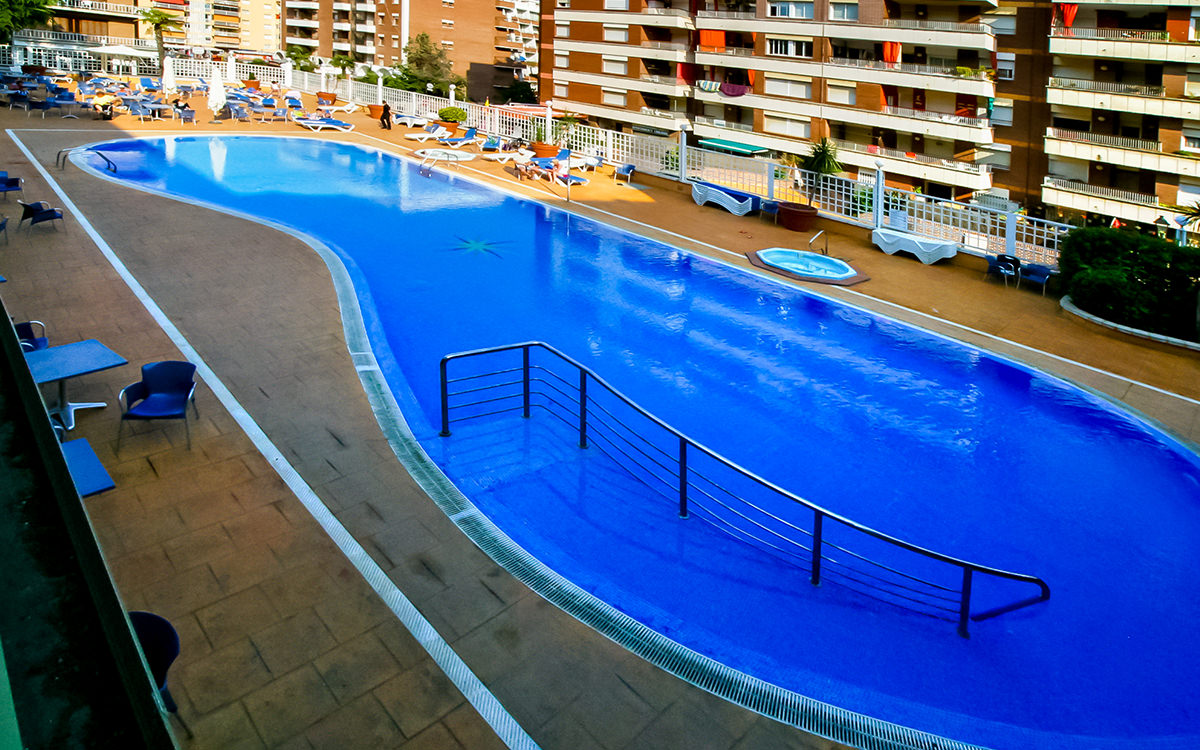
[931, 441]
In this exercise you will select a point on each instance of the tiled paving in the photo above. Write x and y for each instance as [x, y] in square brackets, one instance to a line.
[284, 644]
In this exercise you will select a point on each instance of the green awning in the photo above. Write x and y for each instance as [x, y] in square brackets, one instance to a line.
[742, 149]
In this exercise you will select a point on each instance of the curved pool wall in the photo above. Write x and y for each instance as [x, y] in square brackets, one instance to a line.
[930, 440]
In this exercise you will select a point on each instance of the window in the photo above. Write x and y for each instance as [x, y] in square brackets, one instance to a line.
[560, 91]
[448, 3]
[790, 10]
[789, 47]
[617, 66]
[1002, 112]
[563, 4]
[616, 4]
[447, 45]
[616, 33]
[447, 23]
[1006, 66]
[1191, 142]
[612, 97]
[842, 94]
[562, 29]
[788, 88]
[794, 127]
[562, 60]
[843, 11]
[1002, 20]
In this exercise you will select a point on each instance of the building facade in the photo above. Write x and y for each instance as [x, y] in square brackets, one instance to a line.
[490, 42]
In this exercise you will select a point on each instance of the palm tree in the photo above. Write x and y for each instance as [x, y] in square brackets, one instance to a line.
[159, 20]
[22, 14]
[342, 63]
[822, 159]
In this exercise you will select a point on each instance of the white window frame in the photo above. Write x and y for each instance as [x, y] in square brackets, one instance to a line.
[616, 4]
[562, 29]
[843, 11]
[561, 91]
[1006, 66]
[613, 97]
[1002, 112]
[796, 48]
[614, 33]
[802, 9]
[562, 59]
[614, 66]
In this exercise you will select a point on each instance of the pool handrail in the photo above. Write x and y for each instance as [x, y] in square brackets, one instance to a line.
[968, 567]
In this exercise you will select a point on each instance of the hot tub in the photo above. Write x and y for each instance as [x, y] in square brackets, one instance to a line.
[806, 265]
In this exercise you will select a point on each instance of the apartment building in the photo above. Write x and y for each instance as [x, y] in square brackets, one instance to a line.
[1123, 138]
[489, 42]
[260, 24]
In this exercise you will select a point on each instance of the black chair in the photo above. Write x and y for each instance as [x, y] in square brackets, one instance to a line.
[1035, 272]
[164, 392]
[1005, 266]
[160, 645]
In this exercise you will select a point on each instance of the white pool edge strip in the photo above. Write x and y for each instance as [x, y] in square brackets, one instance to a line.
[472, 688]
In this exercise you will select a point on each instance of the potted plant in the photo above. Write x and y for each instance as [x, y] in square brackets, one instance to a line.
[540, 146]
[252, 82]
[451, 117]
[821, 161]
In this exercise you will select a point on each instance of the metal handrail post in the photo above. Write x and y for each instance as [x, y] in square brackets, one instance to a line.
[445, 401]
[583, 408]
[964, 604]
[525, 379]
[818, 524]
[683, 481]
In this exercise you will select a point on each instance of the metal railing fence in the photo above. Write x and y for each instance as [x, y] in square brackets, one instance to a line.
[704, 485]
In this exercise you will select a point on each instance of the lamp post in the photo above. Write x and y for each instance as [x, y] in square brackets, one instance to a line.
[453, 88]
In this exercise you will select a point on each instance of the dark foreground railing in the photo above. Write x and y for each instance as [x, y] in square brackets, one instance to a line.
[718, 491]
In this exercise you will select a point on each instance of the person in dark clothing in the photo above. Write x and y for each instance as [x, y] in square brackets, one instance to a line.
[385, 119]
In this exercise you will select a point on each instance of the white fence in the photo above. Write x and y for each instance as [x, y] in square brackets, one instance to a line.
[976, 228]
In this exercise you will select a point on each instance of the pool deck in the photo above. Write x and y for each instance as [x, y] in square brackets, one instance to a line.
[284, 643]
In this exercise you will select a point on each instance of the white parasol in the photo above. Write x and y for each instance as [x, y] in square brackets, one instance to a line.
[168, 75]
[216, 93]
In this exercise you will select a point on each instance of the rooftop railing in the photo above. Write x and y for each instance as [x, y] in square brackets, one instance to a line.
[665, 12]
[1075, 186]
[1106, 87]
[43, 35]
[1115, 141]
[712, 489]
[96, 6]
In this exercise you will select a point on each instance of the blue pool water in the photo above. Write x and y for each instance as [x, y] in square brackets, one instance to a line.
[923, 438]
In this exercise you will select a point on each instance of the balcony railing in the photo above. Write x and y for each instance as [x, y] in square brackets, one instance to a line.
[672, 114]
[97, 7]
[968, 28]
[666, 12]
[1114, 141]
[933, 161]
[903, 67]
[1121, 35]
[719, 123]
[725, 14]
[922, 114]
[42, 35]
[665, 45]
[1075, 186]
[1106, 87]
[667, 80]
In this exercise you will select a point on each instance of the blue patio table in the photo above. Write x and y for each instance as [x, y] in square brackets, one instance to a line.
[58, 364]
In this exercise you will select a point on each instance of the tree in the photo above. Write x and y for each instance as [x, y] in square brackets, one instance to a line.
[519, 92]
[822, 159]
[342, 63]
[427, 62]
[22, 14]
[160, 20]
[301, 57]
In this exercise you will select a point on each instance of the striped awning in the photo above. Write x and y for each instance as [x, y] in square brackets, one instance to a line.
[743, 149]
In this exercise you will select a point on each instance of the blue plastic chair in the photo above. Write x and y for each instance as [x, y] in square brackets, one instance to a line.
[160, 645]
[1005, 266]
[11, 185]
[1035, 272]
[39, 212]
[187, 115]
[164, 392]
[626, 171]
[31, 340]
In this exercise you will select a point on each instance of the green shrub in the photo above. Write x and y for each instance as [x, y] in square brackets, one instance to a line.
[1133, 279]
[452, 114]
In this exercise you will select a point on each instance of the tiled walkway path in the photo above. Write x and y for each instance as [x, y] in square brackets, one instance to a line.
[284, 644]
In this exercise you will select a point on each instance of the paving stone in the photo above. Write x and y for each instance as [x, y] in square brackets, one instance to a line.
[191, 549]
[357, 666]
[227, 728]
[418, 698]
[297, 640]
[289, 704]
[237, 616]
[360, 724]
[471, 731]
[225, 676]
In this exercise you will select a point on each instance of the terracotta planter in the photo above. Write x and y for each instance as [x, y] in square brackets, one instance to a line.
[797, 217]
[375, 110]
[451, 126]
[252, 84]
[543, 150]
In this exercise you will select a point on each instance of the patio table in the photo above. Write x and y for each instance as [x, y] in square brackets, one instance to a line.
[58, 364]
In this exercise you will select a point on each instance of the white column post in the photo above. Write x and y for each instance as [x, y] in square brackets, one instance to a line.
[879, 194]
[379, 88]
[549, 124]
[683, 152]
[1010, 233]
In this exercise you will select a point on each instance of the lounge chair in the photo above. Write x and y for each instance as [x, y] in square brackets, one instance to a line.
[187, 115]
[149, 84]
[316, 124]
[491, 143]
[468, 137]
[348, 108]
[410, 121]
[430, 131]
[568, 178]
[38, 212]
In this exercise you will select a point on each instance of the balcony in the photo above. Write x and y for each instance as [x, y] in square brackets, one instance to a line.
[977, 36]
[967, 175]
[1124, 204]
[302, 41]
[1133, 153]
[75, 41]
[714, 122]
[1151, 45]
[654, 118]
[931, 77]
[302, 23]
[94, 8]
[1120, 97]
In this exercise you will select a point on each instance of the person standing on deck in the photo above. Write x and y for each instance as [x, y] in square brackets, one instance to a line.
[385, 118]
